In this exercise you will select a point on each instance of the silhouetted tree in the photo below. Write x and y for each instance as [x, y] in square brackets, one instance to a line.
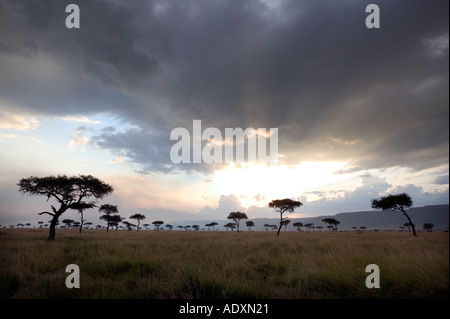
[250, 224]
[266, 226]
[69, 192]
[68, 222]
[196, 227]
[169, 227]
[81, 210]
[230, 225]
[114, 221]
[282, 206]
[407, 225]
[331, 222]
[109, 211]
[128, 225]
[213, 224]
[428, 227]
[158, 223]
[138, 217]
[285, 223]
[308, 226]
[400, 202]
[236, 217]
[299, 225]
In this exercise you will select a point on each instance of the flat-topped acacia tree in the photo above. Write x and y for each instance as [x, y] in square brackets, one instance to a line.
[237, 216]
[72, 192]
[138, 217]
[399, 202]
[282, 206]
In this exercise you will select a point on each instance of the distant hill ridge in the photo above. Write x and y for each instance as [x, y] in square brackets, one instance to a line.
[381, 220]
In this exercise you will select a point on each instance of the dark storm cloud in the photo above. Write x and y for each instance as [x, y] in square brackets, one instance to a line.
[335, 89]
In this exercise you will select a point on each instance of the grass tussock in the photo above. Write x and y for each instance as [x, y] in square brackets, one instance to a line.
[148, 264]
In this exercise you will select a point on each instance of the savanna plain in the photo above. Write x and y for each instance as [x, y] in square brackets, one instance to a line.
[223, 265]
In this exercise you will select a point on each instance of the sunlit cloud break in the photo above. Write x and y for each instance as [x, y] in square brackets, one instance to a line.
[82, 119]
[17, 122]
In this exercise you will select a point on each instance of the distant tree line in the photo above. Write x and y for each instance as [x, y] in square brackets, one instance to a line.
[82, 192]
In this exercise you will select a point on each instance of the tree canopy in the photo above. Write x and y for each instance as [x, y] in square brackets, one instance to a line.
[332, 222]
[237, 216]
[69, 192]
[110, 216]
[399, 202]
[138, 217]
[158, 223]
[284, 205]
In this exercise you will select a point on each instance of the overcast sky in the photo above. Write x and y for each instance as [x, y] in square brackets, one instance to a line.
[360, 112]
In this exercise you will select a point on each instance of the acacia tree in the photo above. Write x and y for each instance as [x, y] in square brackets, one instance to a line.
[158, 223]
[236, 217]
[400, 202]
[109, 215]
[299, 225]
[282, 206]
[250, 224]
[332, 223]
[428, 227]
[230, 225]
[407, 225]
[81, 210]
[69, 192]
[138, 217]
[285, 223]
[309, 226]
[128, 225]
[68, 222]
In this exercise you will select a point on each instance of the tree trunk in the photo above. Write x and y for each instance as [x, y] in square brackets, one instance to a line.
[411, 223]
[52, 233]
[281, 225]
[82, 221]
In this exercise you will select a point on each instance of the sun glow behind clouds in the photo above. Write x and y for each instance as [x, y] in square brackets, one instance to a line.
[256, 185]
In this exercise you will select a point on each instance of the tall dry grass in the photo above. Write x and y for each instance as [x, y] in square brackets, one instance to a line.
[174, 264]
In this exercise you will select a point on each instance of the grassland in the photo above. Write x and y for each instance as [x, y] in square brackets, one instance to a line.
[188, 264]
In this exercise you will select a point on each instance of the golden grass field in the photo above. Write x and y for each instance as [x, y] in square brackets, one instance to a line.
[213, 265]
